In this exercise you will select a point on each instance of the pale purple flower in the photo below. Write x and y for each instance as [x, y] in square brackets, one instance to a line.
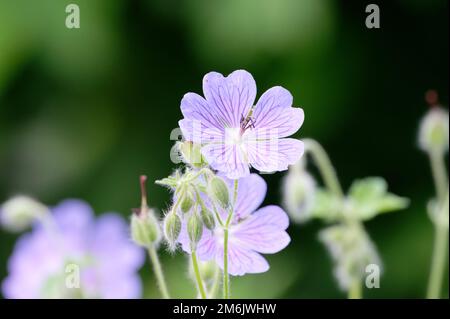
[44, 259]
[234, 133]
[252, 232]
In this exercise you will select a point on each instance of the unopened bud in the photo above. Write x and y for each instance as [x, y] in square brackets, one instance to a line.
[191, 154]
[195, 230]
[219, 191]
[172, 228]
[298, 194]
[18, 213]
[145, 229]
[186, 202]
[208, 218]
[434, 130]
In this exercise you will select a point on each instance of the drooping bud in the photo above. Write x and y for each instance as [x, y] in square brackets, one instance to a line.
[145, 228]
[218, 191]
[172, 228]
[434, 128]
[191, 154]
[18, 213]
[299, 189]
[194, 229]
[207, 218]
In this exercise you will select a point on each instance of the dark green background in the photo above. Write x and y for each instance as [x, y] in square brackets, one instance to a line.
[84, 112]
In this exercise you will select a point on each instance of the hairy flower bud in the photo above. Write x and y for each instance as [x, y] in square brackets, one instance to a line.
[218, 191]
[186, 201]
[145, 229]
[208, 218]
[18, 213]
[434, 130]
[299, 190]
[172, 228]
[194, 229]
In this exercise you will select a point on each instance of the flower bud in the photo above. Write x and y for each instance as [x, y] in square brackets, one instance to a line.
[218, 191]
[145, 229]
[18, 213]
[186, 202]
[208, 218]
[299, 190]
[434, 130]
[172, 228]
[195, 230]
[191, 154]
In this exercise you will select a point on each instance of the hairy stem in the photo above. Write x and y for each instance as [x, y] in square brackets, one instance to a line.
[198, 277]
[440, 247]
[157, 269]
[355, 291]
[325, 167]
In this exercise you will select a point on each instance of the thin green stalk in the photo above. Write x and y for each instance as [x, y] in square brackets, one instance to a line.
[438, 262]
[226, 279]
[157, 269]
[198, 277]
[325, 167]
[215, 285]
[355, 291]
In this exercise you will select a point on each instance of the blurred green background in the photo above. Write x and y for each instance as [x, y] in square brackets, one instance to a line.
[84, 111]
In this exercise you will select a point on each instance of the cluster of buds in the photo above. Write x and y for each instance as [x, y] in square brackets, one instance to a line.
[190, 205]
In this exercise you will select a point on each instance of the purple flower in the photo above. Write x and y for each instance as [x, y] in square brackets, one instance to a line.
[99, 250]
[234, 133]
[250, 232]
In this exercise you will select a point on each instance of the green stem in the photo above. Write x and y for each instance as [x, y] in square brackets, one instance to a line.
[325, 167]
[226, 279]
[157, 269]
[198, 278]
[215, 285]
[440, 251]
[439, 175]
[355, 291]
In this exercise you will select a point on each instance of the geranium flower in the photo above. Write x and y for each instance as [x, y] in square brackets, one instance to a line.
[252, 232]
[44, 260]
[233, 133]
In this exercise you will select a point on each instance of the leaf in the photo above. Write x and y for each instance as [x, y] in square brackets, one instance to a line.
[326, 206]
[368, 197]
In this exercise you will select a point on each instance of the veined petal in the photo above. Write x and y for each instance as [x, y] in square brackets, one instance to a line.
[263, 231]
[227, 158]
[195, 131]
[242, 261]
[250, 195]
[274, 155]
[232, 96]
[274, 115]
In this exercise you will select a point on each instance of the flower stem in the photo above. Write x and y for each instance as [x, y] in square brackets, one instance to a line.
[198, 277]
[325, 167]
[440, 248]
[157, 269]
[215, 285]
[226, 279]
[355, 291]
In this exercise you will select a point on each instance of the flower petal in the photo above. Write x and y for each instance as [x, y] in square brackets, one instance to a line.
[227, 158]
[233, 96]
[264, 231]
[273, 115]
[251, 192]
[274, 155]
[242, 261]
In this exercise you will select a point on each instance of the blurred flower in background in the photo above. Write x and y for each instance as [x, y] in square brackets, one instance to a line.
[75, 256]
